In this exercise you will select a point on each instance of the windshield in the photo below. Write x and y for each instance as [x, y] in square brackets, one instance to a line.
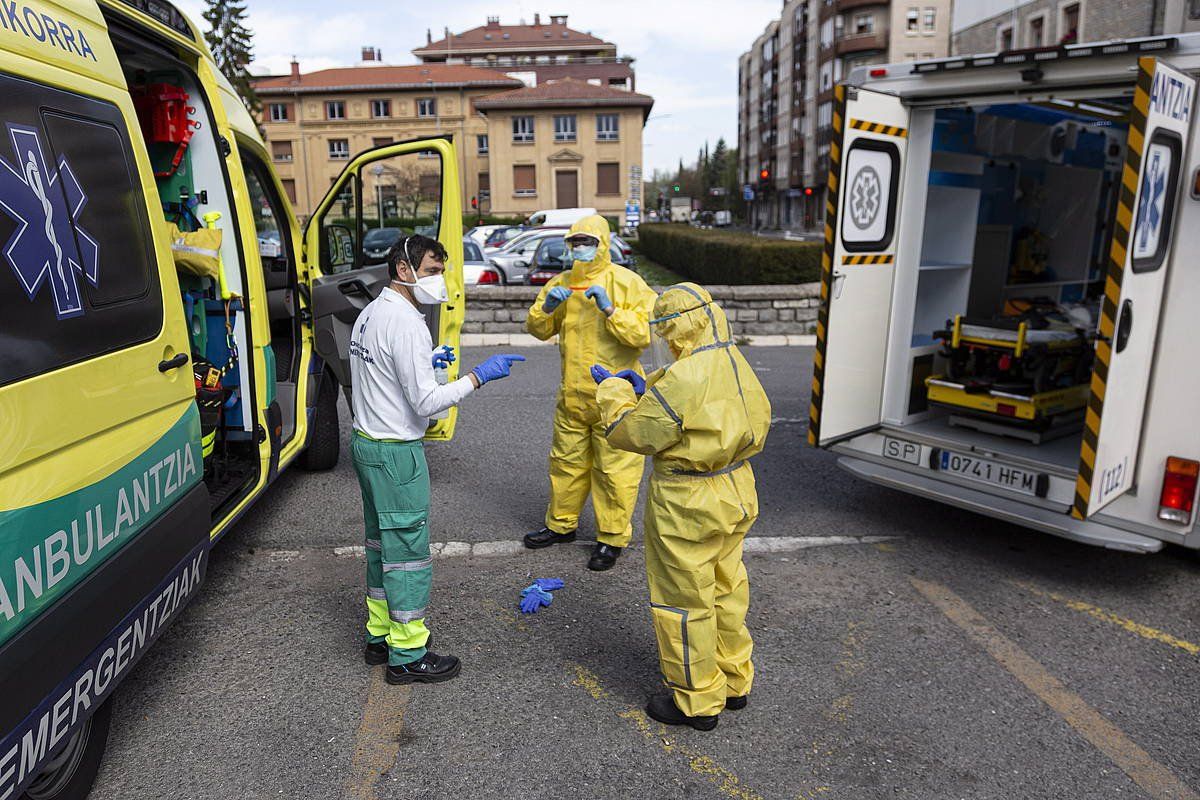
[378, 236]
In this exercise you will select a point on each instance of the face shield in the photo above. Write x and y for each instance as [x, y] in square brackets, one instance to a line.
[663, 330]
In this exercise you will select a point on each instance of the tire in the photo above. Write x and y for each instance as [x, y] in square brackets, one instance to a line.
[70, 774]
[324, 434]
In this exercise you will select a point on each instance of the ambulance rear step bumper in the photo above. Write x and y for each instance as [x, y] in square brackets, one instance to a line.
[1041, 519]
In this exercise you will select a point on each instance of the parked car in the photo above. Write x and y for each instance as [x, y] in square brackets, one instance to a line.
[551, 258]
[480, 233]
[501, 236]
[624, 246]
[378, 243]
[513, 259]
[476, 270]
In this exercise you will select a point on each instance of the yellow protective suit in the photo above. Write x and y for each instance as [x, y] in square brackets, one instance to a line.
[581, 461]
[701, 418]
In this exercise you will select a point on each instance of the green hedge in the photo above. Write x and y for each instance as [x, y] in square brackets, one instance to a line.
[720, 257]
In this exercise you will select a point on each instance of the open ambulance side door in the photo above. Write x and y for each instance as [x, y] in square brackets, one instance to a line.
[866, 162]
[1160, 127]
[412, 185]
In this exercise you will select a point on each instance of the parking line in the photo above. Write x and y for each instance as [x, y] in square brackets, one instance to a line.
[377, 741]
[1154, 778]
[1104, 615]
[725, 781]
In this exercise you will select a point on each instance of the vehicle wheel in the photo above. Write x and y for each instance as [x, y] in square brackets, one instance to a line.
[324, 437]
[69, 775]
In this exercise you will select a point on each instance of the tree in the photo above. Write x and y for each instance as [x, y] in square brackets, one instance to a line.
[232, 45]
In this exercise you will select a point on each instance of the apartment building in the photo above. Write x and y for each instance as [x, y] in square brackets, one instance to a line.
[785, 93]
[538, 52]
[564, 144]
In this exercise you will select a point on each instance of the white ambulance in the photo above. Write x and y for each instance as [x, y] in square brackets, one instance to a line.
[1011, 287]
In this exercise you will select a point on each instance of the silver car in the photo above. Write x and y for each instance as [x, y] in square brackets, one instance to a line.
[476, 270]
[514, 258]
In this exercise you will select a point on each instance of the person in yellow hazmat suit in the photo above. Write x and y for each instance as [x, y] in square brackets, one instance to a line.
[600, 312]
[701, 419]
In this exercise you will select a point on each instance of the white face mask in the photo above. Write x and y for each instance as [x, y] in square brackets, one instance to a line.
[429, 289]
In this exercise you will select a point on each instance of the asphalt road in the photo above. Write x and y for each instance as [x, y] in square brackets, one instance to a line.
[965, 658]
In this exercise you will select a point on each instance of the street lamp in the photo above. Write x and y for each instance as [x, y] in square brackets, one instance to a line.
[377, 171]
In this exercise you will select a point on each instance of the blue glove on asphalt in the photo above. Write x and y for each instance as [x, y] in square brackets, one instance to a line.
[600, 374]
[549, 584]
[597, 293]
[533, 598]
[639, 383]
[443, 357]
[495, 367]
[554, 298]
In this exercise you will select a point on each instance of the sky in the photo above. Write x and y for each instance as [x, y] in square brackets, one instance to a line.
[686, 50]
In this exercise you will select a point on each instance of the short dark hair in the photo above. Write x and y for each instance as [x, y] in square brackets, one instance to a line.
[414, 247]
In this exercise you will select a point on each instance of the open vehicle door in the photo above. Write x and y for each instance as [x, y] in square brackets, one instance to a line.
[1160, 127]
[866, 162]
[411, 185]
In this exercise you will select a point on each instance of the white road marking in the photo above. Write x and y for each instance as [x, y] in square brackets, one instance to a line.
[507, 547]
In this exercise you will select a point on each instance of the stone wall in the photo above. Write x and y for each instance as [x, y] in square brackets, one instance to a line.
[754, 312]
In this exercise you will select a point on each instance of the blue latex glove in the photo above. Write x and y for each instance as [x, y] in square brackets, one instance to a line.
[443, 357]
[548, 584]
[495, 367]
[533, 598]
[600, 374]
[639, 383]
[554, 298]
[597, 293]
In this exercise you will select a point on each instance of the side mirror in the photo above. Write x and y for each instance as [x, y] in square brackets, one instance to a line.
[341, 246]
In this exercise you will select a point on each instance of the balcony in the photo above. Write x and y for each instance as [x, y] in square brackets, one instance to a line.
[861, 43]
[847, 5]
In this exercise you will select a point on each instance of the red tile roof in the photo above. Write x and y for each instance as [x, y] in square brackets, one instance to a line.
[548, 35]
[417, 76]
[565, 93]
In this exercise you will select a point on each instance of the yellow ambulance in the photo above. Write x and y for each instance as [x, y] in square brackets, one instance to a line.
[170, 340]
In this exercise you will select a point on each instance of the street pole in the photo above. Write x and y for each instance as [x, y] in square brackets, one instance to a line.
[377, 171]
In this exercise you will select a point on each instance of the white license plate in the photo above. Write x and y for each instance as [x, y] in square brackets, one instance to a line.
[990, 472]
[900, 450]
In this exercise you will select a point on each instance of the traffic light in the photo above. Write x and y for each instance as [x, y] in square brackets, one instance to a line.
[474, 202]
[764, 174]
[808, 191]
[675, 188]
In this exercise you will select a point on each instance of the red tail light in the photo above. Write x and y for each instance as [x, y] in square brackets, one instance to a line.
[1007, 409]
[488, 276]
[1178, 490]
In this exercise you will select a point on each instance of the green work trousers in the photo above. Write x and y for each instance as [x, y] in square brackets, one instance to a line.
[395, 492]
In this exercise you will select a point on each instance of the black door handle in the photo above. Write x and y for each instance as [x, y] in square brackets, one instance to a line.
[173, 363]
[1124, 324]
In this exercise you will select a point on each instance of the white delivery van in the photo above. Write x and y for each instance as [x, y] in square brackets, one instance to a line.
[1010, 316]
[554, 217]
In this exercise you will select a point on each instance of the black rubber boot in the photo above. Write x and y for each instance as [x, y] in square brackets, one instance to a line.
[430, 668]
[662, 708]
[376, 653]
[546, 537]
[603, 557]
[736, 702]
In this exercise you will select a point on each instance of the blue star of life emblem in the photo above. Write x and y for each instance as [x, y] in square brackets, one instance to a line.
[1154, 187]
[44, 200]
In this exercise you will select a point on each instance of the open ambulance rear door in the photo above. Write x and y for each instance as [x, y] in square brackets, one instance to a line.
[1160, 133]
[415, 184]
[866, 162]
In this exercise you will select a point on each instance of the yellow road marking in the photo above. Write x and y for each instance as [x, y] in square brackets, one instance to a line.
[377, 741]
[1155, 779]
[1104, 615]
[725, 781]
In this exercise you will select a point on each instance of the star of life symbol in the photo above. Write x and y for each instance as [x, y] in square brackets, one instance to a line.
[46, 247]
[865, 194]
[1154, 188]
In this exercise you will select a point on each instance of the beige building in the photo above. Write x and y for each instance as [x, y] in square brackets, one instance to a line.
[316, 121]
[564, 144]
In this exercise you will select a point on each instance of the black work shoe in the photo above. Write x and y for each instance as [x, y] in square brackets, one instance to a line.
[603, 557]
[376, 653]
[546, 537]
[430, 668]
[662, 708]
[736, 702]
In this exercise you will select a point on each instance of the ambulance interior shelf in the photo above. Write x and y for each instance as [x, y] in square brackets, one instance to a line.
[1018, 212]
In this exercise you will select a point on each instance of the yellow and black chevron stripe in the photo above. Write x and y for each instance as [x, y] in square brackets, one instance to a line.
[865, 259]
[879, 127]
[831, 206]
[1112, 284]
